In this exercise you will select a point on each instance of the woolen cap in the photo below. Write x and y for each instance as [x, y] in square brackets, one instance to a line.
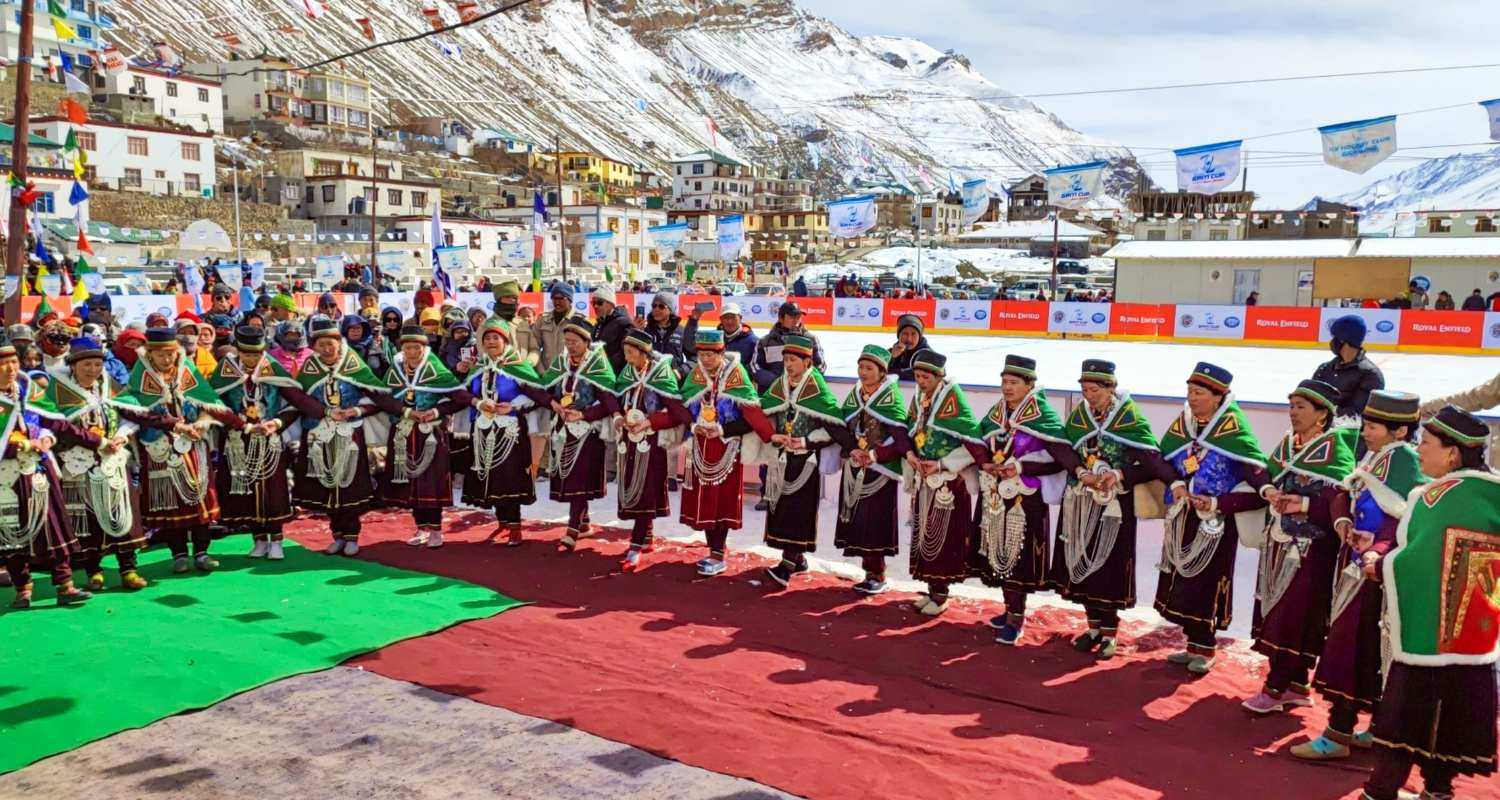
[323, 326]
[84, 347]
[249, 338]
[1396, 408]
[1020, 366]
[930, 361]
[581, 326]
[909, 321]
[1459, 426]
[1097, 370]
[413, 333]
[877, 355]
[1211, 377]
[639, 338]
[798, 345]
[1318, 393]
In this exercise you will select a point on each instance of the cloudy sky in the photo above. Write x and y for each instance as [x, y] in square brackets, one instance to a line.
[1093, 44]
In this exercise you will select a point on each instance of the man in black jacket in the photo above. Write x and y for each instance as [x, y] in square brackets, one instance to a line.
[611, 323]
[1350, 371]
[910, 340]
[767, 365]
[665, 329]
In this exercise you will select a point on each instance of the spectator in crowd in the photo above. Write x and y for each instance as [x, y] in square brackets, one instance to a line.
[549, 326]
[767, 365]
[1350, 371]
[1253, 299]
[738, 337]
[476, 319]
[127, 347]
[459, 352]
[1475, 301]
[799, 287]
[1494, 301]
[1444, 302]
[611, 323]
[665, 329]
[1415, 296]
[911, 339]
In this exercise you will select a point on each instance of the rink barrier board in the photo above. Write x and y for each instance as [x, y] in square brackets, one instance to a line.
[1415, 331]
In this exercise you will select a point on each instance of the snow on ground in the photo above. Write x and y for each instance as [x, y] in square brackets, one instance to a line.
[1264, 374]
[942, 262]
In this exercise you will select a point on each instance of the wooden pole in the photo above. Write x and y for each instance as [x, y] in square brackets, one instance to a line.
[374, 190]
[15, 244]
[1052, 292]
[562, 217]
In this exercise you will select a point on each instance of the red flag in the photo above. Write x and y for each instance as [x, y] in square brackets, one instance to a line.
[434, 17]
[83, 243]
[467, 10]
[367, 27]
[229, 38]
[73, 110]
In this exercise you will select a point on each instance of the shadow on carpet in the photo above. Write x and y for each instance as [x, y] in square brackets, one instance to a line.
[69, 676]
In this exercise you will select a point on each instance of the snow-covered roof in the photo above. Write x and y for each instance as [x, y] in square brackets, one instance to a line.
[1239, 249]
[709, 155]
[1028, 229]
[1432, 247]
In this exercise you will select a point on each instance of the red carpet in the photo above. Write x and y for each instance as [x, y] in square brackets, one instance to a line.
[823, 694]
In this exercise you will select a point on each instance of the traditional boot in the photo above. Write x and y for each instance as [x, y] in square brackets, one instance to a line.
[206, 563]
[260, 549]
[434, 538]
[96, 581]
[515, 539]
[274, 551]
[335, 547]
[23, 597]
[632, 560]
[131, 581]
[69, 595]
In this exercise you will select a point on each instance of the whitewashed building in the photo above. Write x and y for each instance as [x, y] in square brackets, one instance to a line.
[711, 181]
[184, 99]
[138, 158]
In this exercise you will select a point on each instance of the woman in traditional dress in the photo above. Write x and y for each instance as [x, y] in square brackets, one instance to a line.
[581, 384]
[801, 409]
[1113, 452]
[728, 426]
[421, 394]
[177, 474]
[254, 493]
[874, 440]
[648, 425]
[1365, 518]
[1300, 555]
[938, 471]
[332, 470]
[1217, 472]
[93, 457]
[1442, 609]
[34, 529]
[499, 475]
[1019, 478]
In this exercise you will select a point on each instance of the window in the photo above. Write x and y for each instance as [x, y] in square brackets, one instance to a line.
[202, 95]
[1439, 225]
[1157, 235]
[1218, 236]
[90, 175]
[138, 85]
[322, 166]
[132, 178]
[418, 199]
[335, 113]
[697, 169]
[697, 186]
[635, 256]
[257, 101]
[46, 203]
[328, 191]
[614, 224]
[85, 32]
[190, 182]
[161, 174]
[190, 151]
[1324, 224]
[171, 89]
[1484, 225]
[801, 220]
[371, 194]
[475, 242]
[79, 5]
[635, 227]
[86, 140]
[136, 146]
[383, 171]
[393, 196]
[1185, 234]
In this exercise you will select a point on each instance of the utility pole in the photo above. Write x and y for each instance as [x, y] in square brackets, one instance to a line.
[1052, 291]
[239, 250]
[562, 217]
[15, 244]
[918, 282]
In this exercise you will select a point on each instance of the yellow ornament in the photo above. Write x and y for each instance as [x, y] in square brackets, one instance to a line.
[920, 439]
[788, 427]
[864, 444]
[567, 400]
[708, 414]
[1190, 464]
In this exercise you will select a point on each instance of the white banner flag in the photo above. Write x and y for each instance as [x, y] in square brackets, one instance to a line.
[1492, 113]
[596, 249]
[517, 253]
[851, 216]
[1074, 186]
[976, 196]
[731, 237]
[1358, 146]
[667, 239]
[1208, 168]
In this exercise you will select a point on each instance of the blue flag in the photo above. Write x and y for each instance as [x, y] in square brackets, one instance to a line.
[77, 194]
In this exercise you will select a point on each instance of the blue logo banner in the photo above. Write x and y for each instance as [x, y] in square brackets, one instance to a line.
[667, 239]
[851, 216]
[1074, 186]
[731, 237]
[1208, 168]
[1492, 113]
[976, 197]
[596, 249]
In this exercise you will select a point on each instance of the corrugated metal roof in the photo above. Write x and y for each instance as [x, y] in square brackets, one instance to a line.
[1250, 250]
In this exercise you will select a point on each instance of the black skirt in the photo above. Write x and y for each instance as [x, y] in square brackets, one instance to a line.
[507, 482]
[1029, 572]
[1206, 598]
[792, 521]
[1440, 715]
[873, 526]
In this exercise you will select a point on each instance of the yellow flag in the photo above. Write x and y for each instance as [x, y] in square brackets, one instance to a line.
[62, 30]
[80, 292]
[78, 169]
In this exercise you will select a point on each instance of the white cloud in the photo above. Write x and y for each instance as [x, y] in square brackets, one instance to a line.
[1097, 44]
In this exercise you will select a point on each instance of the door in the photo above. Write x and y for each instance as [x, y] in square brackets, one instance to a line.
[1245, 282]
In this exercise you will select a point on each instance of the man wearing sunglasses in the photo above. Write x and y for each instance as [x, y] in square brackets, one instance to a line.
[611, 323]
[665, 329]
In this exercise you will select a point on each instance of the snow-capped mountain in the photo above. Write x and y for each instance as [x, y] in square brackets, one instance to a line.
[1462, 180]
[784, 88]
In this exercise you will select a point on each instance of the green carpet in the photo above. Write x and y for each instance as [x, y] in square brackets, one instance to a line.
[71, 675]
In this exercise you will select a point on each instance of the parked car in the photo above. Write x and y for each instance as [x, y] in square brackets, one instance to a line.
[1070, 267]
[733, 287]
[1027, 289]
[767, 290]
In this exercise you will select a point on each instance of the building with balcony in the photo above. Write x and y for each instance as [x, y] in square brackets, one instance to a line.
[341, 204]
[139, 158]
[260, 89]
[88, 19]
[783, 194]
[1026, 199]
[595, 170]
[337, 102]
[711, 181]
[179, 98]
